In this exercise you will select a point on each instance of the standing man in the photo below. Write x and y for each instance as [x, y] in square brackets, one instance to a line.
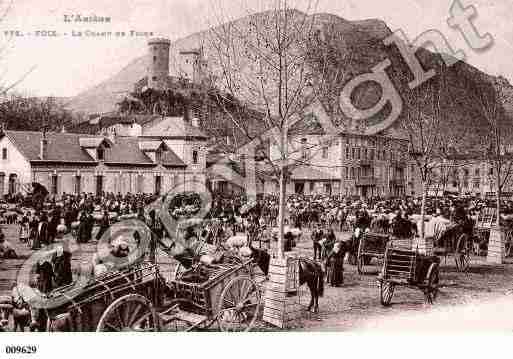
[316, 238]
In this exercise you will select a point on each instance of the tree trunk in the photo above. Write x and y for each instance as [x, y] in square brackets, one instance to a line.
[283, 196]
[281, 213]
[498, 197]
[423, 210]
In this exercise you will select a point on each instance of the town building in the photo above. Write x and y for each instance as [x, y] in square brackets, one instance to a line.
[349, 163]
[169, 154]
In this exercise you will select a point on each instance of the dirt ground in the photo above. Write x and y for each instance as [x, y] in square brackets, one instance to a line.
[355, 305]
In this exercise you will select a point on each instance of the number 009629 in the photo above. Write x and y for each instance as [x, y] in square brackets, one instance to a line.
[20, 349]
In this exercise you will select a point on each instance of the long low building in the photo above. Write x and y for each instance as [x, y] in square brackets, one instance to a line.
[151, 162]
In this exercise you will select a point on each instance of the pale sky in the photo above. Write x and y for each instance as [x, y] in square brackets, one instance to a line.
[67, 65]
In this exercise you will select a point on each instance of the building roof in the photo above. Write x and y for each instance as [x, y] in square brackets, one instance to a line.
[61, 146]
[151, 146]
[66, 147]
[91, 142]
[172, 127]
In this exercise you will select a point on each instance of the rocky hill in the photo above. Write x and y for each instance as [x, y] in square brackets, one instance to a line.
[354, 47]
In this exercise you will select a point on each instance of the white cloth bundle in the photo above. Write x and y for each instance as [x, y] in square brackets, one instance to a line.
[237, 241]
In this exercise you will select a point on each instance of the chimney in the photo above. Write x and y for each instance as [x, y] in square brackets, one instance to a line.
[43, 149]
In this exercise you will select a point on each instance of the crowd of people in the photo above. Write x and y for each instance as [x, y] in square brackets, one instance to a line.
[323, 217]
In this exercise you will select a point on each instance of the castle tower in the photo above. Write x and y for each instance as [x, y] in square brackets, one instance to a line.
[158, 63]
[193, 65]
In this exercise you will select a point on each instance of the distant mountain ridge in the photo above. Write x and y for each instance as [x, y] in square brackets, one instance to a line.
[362, 39]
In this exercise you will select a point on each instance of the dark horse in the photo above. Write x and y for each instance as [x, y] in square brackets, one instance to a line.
[310, 273]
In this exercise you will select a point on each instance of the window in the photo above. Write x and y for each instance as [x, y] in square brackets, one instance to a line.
[154, 59]
[54, 184]
[344, 173]
[304, 150]
[312, 186]
[158, 156]
[353, 153]
[154, 78]
[99, 185]
[347, 153]
[365, 154]
[78, 181]
[4, 153]
[372, 154]
[195, 156]
[100, 152]
[325, 152]
[358, 153]
[477, 172]
[158, 184]
[140, 180]
[352, 172]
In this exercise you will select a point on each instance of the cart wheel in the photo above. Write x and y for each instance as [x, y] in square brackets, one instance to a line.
[238, 305]
[462, 253]
[360, 259]
[433, 279]
[178, 272]
[132, 312]
[386, 292]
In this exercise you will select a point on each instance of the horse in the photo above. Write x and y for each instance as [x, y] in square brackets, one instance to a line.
[21, 313]
[310, 273]
[6, 309]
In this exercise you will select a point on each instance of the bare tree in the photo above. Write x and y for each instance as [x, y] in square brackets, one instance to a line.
[434, 133]
[494, 133]
[264, 62]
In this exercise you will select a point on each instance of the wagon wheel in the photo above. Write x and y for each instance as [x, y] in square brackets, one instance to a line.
[238, 305]
[132, 312]
[386, 292]
[462, 253]
[433, 279]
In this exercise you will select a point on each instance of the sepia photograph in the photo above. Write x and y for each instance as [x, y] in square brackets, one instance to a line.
[263, 166]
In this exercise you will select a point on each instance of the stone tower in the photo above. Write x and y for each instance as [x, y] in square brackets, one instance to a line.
[193, 65]
[158, 64]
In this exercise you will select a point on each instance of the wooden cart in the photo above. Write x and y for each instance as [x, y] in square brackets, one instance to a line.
[454, 241]
[372, 245]
[485, 219]
[116, 301]
[139, 299]
[402, 267]
[230, 297]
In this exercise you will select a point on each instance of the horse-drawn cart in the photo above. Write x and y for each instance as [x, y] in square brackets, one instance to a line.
[403, 267]
[455, 239]
[372, 245]
[115, 301]
[140, 299]
[230, 296]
